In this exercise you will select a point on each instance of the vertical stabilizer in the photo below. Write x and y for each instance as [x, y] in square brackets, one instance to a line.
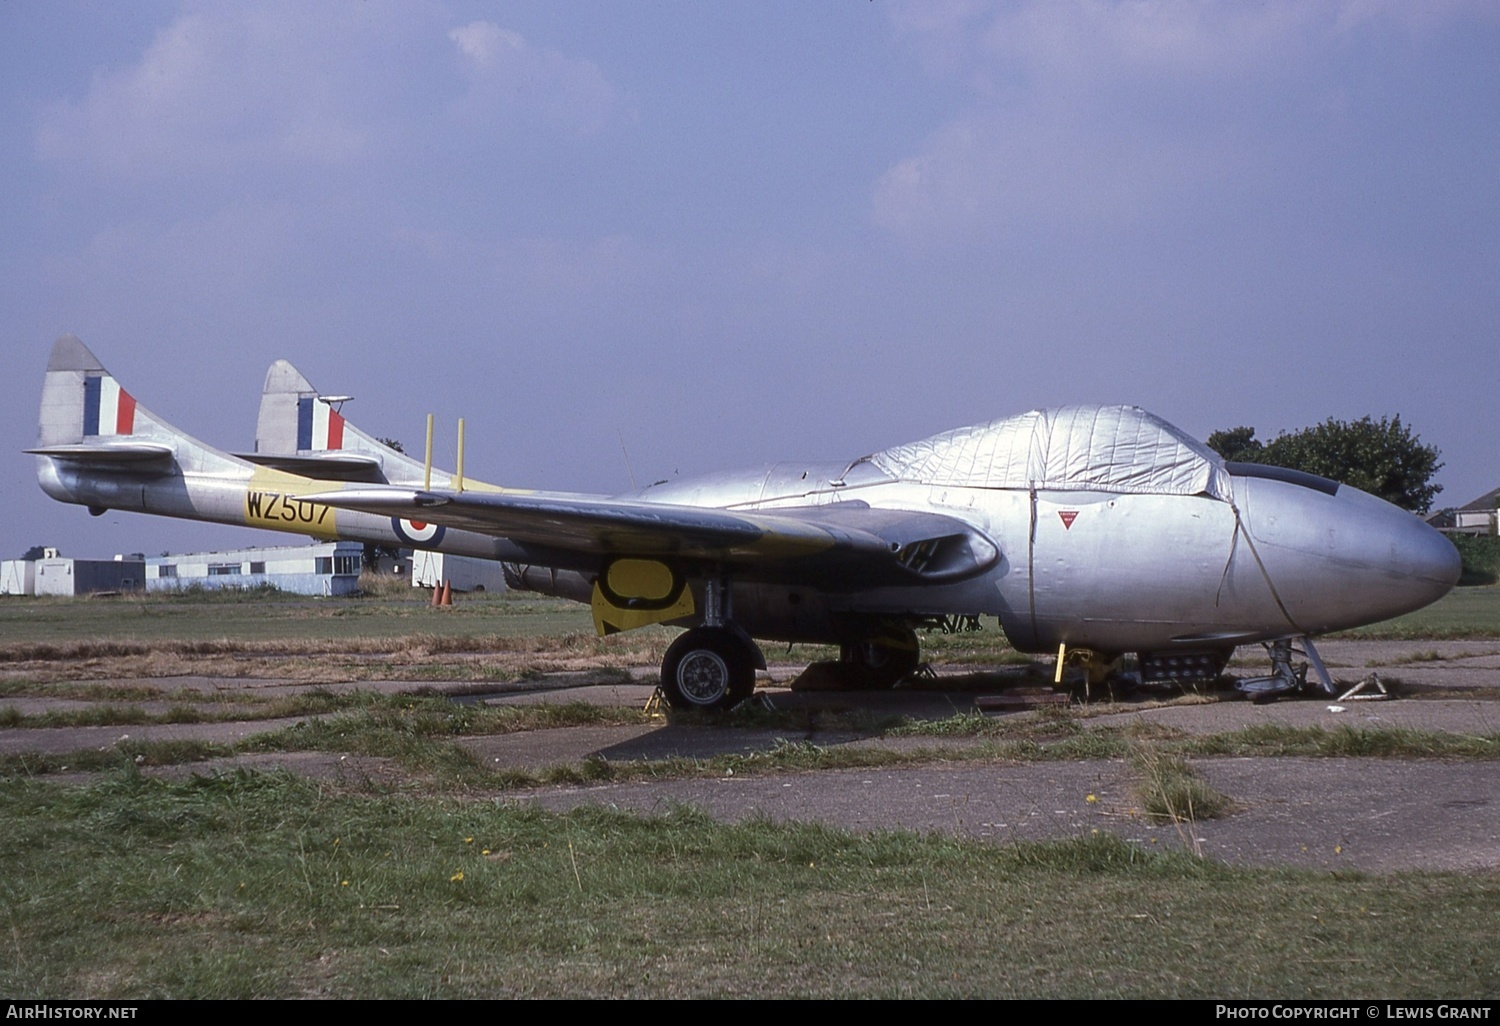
[89, 418]
[303, 431]
[79, 397]
[286, 393]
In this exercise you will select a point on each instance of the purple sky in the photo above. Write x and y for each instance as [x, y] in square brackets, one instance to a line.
[736, 233]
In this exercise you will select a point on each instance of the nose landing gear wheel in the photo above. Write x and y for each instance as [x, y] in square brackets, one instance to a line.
[707, 668]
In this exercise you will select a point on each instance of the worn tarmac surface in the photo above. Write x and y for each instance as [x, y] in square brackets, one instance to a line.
[1371, 814]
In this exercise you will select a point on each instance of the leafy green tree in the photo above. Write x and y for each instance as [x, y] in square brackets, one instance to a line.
[1381, 457]
[1237, 445]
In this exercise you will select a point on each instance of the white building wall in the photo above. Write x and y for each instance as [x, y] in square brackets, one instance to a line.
[428, 569]
[17, 577]
[330, 568]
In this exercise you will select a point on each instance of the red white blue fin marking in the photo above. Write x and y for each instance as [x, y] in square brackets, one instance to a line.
[319, 426]
[107, 408]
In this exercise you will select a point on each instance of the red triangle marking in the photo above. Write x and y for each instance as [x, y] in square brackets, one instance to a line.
[1068, 516]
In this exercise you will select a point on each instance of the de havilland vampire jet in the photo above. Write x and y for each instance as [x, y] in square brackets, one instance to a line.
[1100, 529]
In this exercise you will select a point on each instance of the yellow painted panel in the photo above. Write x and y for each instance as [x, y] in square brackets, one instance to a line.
[641, 578]
[611, 619]
[271, 502]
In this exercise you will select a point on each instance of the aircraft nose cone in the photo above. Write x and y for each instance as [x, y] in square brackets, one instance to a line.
[1430, 558]
[1417, 564]
[1350, 559]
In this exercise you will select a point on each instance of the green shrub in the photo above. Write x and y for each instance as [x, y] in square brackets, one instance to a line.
[1481, 556]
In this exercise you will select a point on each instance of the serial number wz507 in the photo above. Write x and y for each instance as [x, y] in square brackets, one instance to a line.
[288, 508]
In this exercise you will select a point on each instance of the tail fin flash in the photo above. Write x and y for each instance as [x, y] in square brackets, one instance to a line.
[304, 432]
[294, 417]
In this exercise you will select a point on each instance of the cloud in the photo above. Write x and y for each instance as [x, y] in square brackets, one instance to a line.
[1104, 112]
[995, 170]
[509, 76]
[1098, 41]
[218, 89]
[311, 88]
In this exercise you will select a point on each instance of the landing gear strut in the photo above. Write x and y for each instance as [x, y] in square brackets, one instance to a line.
[1286, 677]
[713, 666]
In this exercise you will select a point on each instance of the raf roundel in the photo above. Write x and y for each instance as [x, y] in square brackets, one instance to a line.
[415, 532]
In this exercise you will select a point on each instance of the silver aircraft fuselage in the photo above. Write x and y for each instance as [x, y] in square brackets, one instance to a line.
[1119, 572]
[1100, 528]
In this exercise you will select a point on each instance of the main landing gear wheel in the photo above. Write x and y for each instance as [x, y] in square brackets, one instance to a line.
[883, 661]
[707, 668]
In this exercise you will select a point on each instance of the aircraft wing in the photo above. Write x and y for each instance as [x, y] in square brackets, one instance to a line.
[845, 544]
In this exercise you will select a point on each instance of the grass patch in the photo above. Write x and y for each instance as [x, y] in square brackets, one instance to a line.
[237, 707]
[1047, 722]
[1464, 613]
[1171, 792]
[229, 616]
[126, 754]
[110, 715]
[1270, 739]
[424, 735]
[267, 886]
[479, 658]
[1430, 655]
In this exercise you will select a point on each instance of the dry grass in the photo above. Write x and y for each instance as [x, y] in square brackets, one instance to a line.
[387, 586]
[413, 657]
[1171, 792]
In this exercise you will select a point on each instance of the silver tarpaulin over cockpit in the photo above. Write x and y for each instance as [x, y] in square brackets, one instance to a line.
[1068, 448]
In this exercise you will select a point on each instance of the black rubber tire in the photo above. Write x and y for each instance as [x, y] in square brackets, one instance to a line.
[882, 662]
[708, 668]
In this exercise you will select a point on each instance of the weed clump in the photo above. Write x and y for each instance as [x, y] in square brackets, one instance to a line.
[1171, 792]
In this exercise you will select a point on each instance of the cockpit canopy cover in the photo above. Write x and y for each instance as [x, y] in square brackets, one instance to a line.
[1069, 448]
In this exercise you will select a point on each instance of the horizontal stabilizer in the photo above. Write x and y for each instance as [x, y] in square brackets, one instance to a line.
[142, 457]
[333, 466]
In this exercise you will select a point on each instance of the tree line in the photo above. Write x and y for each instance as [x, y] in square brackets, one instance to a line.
[1383, 457]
